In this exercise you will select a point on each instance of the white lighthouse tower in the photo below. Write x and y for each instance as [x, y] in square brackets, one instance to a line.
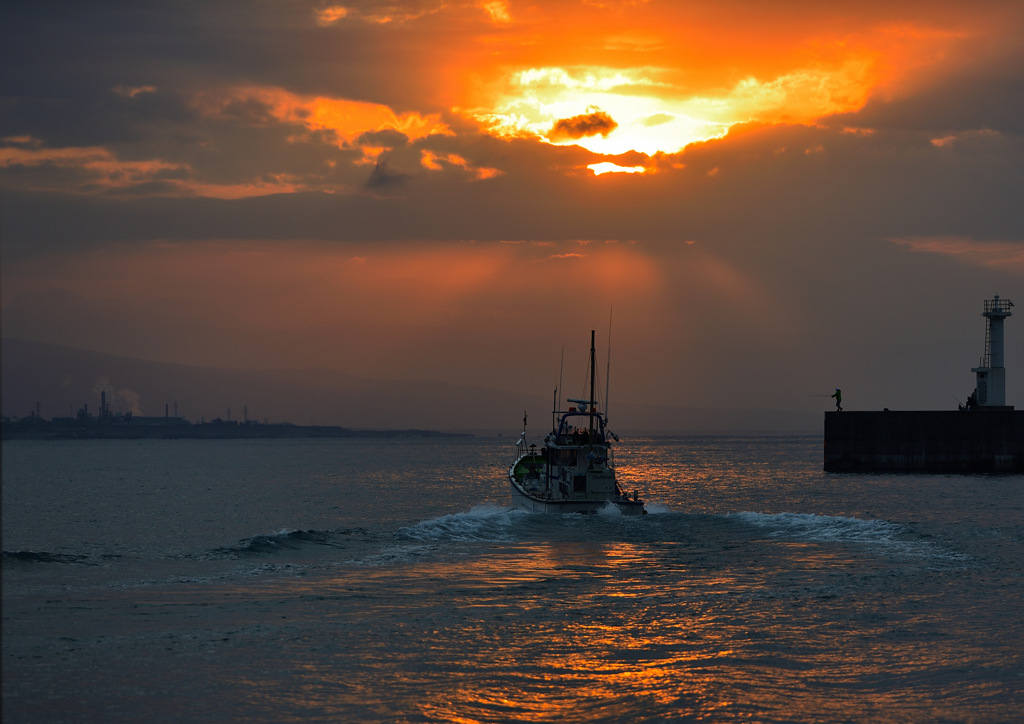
[991, 388]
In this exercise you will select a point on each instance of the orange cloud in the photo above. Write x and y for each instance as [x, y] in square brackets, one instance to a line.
[102, 170]
[497, 10]
[438, 161]
[670, 75]
[379, 13]
[997, 254]
[346, 119]
[134, 91]
[330, 15]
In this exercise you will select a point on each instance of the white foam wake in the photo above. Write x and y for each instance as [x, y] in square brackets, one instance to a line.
[823, 528]
[482, 523]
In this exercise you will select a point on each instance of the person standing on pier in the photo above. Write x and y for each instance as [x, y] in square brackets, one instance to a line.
[839, 399]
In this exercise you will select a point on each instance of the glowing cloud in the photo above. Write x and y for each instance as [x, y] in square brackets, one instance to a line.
[680, 99]
[346, 120]
[636, 113]
[100, 169]
[133, 91]
[652, 116]
[497, 10]
[330, 15]
[997, 254]
[438, 161]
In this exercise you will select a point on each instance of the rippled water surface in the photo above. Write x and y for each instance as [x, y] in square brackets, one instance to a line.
[389, 581]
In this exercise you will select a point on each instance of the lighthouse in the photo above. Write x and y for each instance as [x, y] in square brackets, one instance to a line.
[991, 387]
[988, 439]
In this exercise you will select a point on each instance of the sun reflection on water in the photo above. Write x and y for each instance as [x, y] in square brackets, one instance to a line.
[558, 630]
[709, 615]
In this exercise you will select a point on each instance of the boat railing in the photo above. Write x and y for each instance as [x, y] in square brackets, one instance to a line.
[521, 446]
[580, 437]
[998, 306]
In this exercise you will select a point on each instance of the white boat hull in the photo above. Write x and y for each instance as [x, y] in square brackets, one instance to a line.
[524, 501]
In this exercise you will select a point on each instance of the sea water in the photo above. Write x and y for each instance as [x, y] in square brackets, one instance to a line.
[388, 580]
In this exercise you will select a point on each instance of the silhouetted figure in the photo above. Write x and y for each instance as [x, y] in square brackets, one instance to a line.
[972, 401]
[839, 399]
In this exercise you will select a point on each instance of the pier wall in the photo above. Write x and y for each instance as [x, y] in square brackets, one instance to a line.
[979, 440]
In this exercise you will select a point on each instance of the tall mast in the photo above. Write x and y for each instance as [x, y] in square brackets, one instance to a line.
[592, 371]
[608, 368]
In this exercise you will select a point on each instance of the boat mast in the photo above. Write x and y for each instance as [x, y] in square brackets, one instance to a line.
[592, 371]
[554, 410]
[608, 369]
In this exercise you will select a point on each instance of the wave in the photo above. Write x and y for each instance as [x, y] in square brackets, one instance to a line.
[32, 557]
[283, 540]
[823, 528]
[881, 534]
[657, 508]
[486, 523]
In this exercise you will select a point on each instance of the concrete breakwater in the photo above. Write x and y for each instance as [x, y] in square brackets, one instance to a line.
[964, 441]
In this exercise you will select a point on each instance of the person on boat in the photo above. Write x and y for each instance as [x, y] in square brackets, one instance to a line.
[839, 399]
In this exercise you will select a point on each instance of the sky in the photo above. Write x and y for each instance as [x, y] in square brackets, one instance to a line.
[754, 203]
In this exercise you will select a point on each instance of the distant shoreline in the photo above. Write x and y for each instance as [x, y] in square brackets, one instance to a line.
[39, 429]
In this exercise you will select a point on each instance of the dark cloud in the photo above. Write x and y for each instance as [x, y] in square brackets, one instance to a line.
[62, 60]
[383, 176]
[384, 139]
[591, 124]
[981, 87]
[801, 180]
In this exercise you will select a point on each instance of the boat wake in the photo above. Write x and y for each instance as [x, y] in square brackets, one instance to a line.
[484, 523]
[283, 540]
[823, 528]
[881, 534]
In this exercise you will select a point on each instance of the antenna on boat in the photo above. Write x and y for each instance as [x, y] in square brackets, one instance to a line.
[554, 411]
[558, 390]
[608, 370]
[592, 371]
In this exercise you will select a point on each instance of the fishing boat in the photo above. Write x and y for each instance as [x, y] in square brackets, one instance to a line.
[574, 471]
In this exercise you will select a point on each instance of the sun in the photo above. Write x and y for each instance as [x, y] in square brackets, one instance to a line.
[612, 111]
[645, 117]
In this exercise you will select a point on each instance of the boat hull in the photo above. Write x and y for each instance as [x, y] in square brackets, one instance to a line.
[524, 501]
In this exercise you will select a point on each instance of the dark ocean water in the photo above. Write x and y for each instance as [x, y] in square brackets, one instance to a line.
[389, 581]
